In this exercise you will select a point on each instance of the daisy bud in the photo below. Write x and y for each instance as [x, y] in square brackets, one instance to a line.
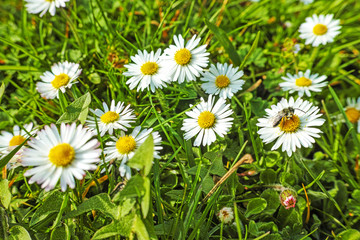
[288, 198]
[226, 215]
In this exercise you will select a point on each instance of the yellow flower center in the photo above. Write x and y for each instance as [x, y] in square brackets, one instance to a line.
[126, 144]
[16, 140]
[290, 125]
[182, 57]
[149, 68]
[60, 80]
[303, 82]
[222, 81]
[206, 119]
[109, 117]
[62, 155]
[320, 29]
[352, 114]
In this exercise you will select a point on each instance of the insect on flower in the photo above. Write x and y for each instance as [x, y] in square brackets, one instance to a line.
[287, 113]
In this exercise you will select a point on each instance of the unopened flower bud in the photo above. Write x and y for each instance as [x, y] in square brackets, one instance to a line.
[288, 198]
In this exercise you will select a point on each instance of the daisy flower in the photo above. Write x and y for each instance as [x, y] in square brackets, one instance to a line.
[222, 80]
[206, 119]
[62, 76]
[352, 111]
[147, 71]
[185, 61]
[295, 129]
[226, 215]
[117, 117]
[319, 29]
[124, 147]
[9, 141]
[61, 155]
[303, 83]
[42, 6]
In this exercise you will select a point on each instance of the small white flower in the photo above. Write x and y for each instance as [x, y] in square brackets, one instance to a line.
[62, 76]
[206, 119]
[117, 117]
[63, 155]
[185, 61]
[226, 215]
[9, 141]
[319, 29]
[352, 111]
[124, 147]
[303, 83]
[222, 80]
[296, 48]
[147, 71]
[42, 6]
[294, 131]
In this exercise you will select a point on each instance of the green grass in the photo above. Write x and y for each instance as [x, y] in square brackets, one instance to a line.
[168, 202]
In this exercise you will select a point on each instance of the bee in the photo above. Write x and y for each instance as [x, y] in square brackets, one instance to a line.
[285, 113]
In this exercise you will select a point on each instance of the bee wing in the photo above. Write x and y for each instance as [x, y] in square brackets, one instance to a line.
[275, 120]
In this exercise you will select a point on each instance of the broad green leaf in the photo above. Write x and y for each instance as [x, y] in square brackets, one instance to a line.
[273, 202]
[140, 229]
[133, 188]
[2, 90]
[60, 233]
[19, 233]
[76, 110]
[48, 209]
[255, 206]
[120, 227]
[143, 156]
[100, 202]
[145, 201]
[350, 234]
[217, 166]
[288, 217]
[268, 176]
[8, 157]
[225, 42]
[5, 195]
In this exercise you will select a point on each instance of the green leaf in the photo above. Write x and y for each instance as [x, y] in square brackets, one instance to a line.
[76, 110]
[60, 233]
[273, 202]
[49, 208]
[224, 41]
[217, 166]
[272, 157]
[5, 195]
[133, 188]
[253, 47]
[2, 90]
[350, 234]
[140, 229]
[121, 227]
[100, 202]
[268, 176]
[255, 206]
[143, 156]
[145, 201]
[8, 157]
[18, 232]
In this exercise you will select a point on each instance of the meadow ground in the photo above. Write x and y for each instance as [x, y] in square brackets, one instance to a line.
[132, 119]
